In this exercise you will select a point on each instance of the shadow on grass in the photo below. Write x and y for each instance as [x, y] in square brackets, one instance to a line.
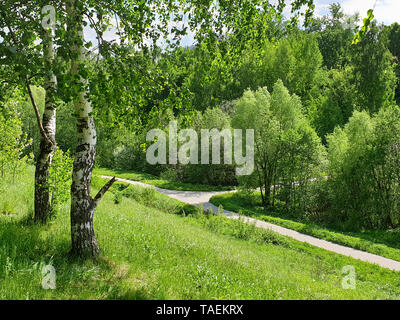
[26, 247]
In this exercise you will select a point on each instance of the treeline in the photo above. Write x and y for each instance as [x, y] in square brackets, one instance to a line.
[321, 107]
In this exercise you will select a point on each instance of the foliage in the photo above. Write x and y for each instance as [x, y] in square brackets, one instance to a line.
[13, 142]
[393, 32]
[60, 179]
[364, 29]
[374, 76]
[23, 105]
[296, 60]
[334, 104]
[138, 259]
[363, 170]
[288, 151]
[211, 174]
[334, 33]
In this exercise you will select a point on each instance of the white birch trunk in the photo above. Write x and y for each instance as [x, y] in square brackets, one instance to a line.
[43, 210]
[84, 242]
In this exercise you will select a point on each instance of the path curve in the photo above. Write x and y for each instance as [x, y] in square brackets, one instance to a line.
[198, 199]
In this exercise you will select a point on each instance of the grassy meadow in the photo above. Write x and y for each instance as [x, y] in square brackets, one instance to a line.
[154, 247]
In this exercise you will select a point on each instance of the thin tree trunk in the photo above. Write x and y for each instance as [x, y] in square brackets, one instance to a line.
[84, 242]
[43, 209]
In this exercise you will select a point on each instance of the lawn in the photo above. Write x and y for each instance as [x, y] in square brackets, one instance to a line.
[157, 182]
[380, 242]
[152, 249]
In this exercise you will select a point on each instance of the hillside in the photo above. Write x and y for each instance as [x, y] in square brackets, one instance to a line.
[150, 253]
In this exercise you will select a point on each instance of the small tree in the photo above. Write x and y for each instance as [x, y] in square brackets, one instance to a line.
[212, 174]
[288, 151]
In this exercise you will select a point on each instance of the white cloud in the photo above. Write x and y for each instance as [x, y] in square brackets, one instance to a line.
[386, 11]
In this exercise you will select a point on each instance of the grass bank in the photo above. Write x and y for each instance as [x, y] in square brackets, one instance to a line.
[157, 182]
[154, 249]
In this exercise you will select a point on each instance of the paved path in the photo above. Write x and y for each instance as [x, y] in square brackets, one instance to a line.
[203, 199]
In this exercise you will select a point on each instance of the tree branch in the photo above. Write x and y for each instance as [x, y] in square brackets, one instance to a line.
[39, 122]
[27, 83]
[103, 191]
[35, 75]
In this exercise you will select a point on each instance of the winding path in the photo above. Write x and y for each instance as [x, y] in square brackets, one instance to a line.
[198, 199]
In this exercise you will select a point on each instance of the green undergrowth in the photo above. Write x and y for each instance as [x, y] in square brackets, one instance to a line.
[157, 182]
[154, 247]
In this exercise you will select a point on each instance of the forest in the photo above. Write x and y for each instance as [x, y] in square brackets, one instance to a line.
[83, 211]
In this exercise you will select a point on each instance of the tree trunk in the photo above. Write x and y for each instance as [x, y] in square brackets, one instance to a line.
[84, 242]
[43, 209]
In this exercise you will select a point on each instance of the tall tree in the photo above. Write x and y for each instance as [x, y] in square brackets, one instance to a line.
[394, 47]
[374, 75]
[84, 241]
[139, 23]
[27, 61]
[48, 145]
[334, 33]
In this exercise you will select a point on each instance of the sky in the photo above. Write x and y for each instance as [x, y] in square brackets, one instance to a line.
[386, 11]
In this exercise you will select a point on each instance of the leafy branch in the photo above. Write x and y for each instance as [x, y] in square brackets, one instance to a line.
[366, 25]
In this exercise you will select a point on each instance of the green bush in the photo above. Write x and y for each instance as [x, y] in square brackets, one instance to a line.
[13, 144]
[288, 152]
[364, 183]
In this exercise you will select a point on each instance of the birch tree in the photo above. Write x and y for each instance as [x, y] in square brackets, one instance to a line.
[140, 25]
[27, 51]
[43, 209]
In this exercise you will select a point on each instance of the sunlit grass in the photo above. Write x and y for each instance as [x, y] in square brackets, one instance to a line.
[380, 242]
[151, 254]
[157, 181]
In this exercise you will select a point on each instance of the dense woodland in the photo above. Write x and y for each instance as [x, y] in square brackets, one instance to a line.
[324, 109]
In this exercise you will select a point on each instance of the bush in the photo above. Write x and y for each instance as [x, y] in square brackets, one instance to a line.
[364, 157]
[288, 152]
[150, 198]
[13, 143]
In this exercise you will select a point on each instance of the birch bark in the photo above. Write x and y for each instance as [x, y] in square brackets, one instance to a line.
[84, 242]
[43, 210]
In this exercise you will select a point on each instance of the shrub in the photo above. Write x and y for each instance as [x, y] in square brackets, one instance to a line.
[364, 157]
[12, 145]
[288, 152]
[150, 198]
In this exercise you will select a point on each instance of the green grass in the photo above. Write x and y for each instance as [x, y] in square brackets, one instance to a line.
[383, 243]
[153, 250]
[157, 182]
